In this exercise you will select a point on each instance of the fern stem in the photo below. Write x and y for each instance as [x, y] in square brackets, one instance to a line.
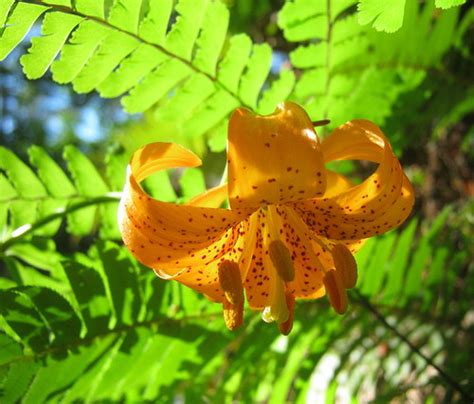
[69, 10]
[449, 380]
[23, 231]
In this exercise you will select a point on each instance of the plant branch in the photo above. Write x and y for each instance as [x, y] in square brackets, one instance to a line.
[449, 380]
[23, 231]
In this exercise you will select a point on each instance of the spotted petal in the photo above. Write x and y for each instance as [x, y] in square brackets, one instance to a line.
[274, 158]
[165, 236]
[383, 201]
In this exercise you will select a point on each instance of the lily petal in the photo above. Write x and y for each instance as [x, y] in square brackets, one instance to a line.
[204, 278]
[212, 198]
[309, 270]
[380, 203]
[258, 275]
[273, 159]
[165, 236]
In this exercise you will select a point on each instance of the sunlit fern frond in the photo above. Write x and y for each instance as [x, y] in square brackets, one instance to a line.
[175, 59]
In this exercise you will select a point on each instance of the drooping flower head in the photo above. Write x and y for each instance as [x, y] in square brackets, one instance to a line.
[292, 227]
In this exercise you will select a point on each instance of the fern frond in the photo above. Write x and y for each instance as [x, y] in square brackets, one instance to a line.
[39, 201]
[191, 70]
[348, 68]
[389, 16]
[97, 336]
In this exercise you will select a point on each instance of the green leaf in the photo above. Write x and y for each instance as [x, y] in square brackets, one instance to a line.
[84, 42]
[134, 68]
[185, 30]
[125, 14]
[89, 296]
[5, 7]
[258, 68]
[56, 28]
[280, 90]
[156, 85]
[18, 24]
[121, 282]
[106, 58]
[22, 316]
[192, 183]
[159, 186]
[52, 176]
[21, 176]
[211, 40]
[88, 183]
[449, 3]
[386, 16]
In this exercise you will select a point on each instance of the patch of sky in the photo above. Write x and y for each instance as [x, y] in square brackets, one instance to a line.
[88, 128]
[279, 60]
[57, 108]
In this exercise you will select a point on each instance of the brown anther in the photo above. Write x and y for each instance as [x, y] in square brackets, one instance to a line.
[231, 282]
[233, 315]
[336, 291]
[281, 259]
[345, 264]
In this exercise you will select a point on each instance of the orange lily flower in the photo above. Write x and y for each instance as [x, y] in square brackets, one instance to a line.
[292, 226]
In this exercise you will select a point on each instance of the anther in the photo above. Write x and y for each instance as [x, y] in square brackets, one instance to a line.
[233, 315]
[231, 282]
[336, 291]
[281, 259]
[345, 264]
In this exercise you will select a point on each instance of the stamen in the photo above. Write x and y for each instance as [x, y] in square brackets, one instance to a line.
[278, 310]
[233, 315]
[231, 282]
[286, 327]
[336, 291]
[281, 259]
[345, 264]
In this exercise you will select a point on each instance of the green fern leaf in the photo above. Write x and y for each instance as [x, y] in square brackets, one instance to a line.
[38, 203]
[51, 175]
[211, 39]
[258, 67]
[386, 16]
[4, 9]
[55, 30]
[82, 44]
[449, 3]
[119, 314]
[340, 76]
[17, 25]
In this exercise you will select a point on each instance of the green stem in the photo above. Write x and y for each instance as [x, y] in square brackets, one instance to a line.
[23, 231]
[449, 380]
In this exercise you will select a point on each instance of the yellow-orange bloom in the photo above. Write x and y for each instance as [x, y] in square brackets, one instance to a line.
[292, 226]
